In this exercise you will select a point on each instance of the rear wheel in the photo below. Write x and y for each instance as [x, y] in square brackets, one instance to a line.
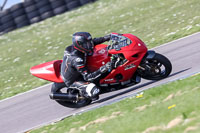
[81, 102]
[157, 68]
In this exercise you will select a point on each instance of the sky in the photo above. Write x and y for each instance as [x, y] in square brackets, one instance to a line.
[10, 3]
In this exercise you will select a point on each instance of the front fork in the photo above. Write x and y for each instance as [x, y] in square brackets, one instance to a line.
[148, 56]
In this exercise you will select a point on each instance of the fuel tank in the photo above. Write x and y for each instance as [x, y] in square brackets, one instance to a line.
[99, 58]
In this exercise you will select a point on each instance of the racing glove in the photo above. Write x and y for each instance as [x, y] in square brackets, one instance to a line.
[107, 37]
[106, 67]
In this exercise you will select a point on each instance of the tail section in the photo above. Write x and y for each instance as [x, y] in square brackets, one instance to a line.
[49, 71]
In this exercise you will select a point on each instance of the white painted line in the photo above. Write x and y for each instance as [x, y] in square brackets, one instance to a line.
[168, 43]
[24, 92]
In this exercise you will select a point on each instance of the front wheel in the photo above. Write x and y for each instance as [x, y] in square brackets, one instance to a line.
[157, 68]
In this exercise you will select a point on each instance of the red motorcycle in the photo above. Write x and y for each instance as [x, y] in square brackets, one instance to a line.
[130, 61]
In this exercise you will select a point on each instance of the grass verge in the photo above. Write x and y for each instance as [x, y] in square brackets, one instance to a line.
[169, 108]
[154, 21]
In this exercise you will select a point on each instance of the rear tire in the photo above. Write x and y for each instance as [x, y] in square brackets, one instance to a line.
[8, 25]
[20, 19]
[22, 24]
[159, 67]
[35, 20]
[83, 2]
[47, 15]
[45, 9]
[73, 5]
[41, 3]
[6, 19]
[30, 8]
[60, 10]
[56, 4]
[28, 3]
[59, 87]
[33, 14]
[79, 104]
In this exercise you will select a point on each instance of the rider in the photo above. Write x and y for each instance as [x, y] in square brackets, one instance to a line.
[73, 66]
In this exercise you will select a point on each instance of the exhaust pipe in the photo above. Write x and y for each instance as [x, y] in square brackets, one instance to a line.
[63, 96]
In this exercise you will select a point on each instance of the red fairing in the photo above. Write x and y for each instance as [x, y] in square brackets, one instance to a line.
[99, 57]
[133, 53]
[48, 71]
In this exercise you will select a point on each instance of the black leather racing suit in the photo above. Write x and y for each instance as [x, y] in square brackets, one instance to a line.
[73, 69]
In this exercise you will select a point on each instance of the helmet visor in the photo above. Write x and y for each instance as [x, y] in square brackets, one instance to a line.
[89, 45]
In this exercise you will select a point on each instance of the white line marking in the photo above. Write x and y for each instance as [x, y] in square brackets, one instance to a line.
[24, 92]
[168, 43]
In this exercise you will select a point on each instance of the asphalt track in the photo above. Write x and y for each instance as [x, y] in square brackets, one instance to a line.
[34, 108]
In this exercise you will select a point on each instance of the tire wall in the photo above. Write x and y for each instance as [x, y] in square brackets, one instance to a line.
[33, 11]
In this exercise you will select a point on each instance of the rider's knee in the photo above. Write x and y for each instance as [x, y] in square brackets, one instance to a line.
[92, 90]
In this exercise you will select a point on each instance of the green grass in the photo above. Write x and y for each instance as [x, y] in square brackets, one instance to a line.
[140, 115]
[154, 21]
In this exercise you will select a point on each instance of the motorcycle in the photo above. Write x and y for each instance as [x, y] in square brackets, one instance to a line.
[130, 60]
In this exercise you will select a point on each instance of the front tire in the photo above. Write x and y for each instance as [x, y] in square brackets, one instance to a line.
[159, 67]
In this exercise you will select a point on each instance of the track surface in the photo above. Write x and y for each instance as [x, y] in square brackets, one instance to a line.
[34, 108]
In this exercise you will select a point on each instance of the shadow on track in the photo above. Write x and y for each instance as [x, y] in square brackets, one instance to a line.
[137, 87]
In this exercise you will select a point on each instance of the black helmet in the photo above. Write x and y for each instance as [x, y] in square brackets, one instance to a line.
[82, 41]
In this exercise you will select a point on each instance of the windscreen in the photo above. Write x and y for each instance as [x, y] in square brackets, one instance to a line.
[119, 41]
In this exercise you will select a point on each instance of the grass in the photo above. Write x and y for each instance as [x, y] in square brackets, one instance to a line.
[154, 21]
[169, 108]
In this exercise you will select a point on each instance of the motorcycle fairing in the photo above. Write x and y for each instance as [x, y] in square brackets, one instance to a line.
[49, 71]
[99, 57]
[133, 53]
